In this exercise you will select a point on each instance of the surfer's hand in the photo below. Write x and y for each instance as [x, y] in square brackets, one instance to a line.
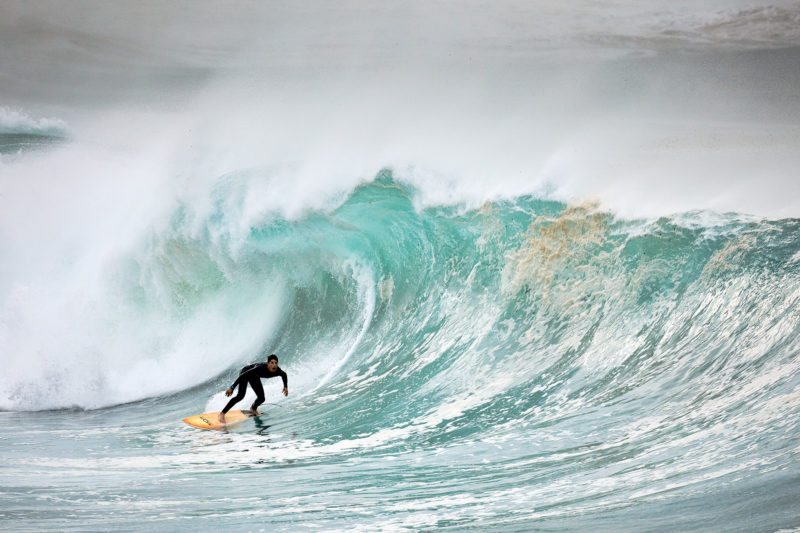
[228, 392]
[285, 391]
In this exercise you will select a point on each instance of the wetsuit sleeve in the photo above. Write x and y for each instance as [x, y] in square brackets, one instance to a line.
[285, 379]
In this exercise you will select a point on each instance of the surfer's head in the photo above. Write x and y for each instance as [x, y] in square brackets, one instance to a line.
[272, 362]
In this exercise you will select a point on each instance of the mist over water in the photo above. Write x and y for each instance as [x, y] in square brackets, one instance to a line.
[527, 266]
[650, 109]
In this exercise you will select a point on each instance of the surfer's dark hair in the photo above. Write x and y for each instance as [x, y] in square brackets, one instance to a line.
[271, 357]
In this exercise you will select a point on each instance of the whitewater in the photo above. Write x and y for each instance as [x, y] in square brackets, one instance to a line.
[528, 266]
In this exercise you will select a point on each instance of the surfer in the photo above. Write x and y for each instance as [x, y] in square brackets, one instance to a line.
[252, 374]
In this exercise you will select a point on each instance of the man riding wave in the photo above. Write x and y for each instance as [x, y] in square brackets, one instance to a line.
[252, 374]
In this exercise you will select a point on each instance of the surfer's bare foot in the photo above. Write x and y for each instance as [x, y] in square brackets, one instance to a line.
[221, 418]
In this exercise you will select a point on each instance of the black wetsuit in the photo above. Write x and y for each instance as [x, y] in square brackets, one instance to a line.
[252, 374]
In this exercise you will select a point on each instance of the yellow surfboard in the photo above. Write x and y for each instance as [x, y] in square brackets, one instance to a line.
[211, 420]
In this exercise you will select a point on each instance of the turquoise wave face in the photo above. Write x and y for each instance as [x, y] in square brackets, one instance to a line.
[450, 322]
[522, 363]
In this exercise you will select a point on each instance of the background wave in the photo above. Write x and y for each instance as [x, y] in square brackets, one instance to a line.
[20, 132]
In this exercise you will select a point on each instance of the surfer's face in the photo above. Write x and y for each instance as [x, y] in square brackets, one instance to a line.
[272, 365]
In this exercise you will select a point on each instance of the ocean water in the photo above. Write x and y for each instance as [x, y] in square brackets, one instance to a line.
[528, 267]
